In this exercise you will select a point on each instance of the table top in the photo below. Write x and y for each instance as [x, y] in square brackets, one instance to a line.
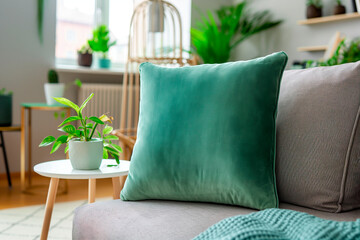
[43, 105]
[63, 169]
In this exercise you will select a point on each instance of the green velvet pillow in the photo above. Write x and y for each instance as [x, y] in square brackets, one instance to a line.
[207, 133]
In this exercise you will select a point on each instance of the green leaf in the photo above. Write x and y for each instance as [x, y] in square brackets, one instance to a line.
[97, 120]
[62, 139]
[111, 150]
[110, 137]
[55, 147]
[105, 154]
[77, 82]
[67, 102]
[107, 130]
[99, 134]
[69, 119]
[89, 125]
[116, 147]
[66, 148]
[85, 102]
[68, 129]
[117, 159]
[47, 141]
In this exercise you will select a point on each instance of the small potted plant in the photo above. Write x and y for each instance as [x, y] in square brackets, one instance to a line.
[85, 151]
[53, 88]
[5, 107]
[339, 8]
[101, 43]
[85, 56]
[314, 8]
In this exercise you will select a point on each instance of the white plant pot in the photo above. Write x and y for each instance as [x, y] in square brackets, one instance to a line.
[53, 90]
[86, 155]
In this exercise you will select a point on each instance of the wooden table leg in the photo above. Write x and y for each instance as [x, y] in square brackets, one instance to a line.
[49, 207]
[116, 187]
[22, 150]
[92, 190]
[29, 148]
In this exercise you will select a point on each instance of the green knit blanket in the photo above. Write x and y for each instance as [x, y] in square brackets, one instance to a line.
[281, 224]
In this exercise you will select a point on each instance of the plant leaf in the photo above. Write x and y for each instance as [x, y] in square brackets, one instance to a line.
[47, 141]
[55, 147]
[67, 102]
[110, 137]
[69, 119]
[62, 139]
[105, 154]
[66, 148]
[97, 120]
[68, 129]
[107, 130]
[116, 147]
[85, 102]
[111, 150]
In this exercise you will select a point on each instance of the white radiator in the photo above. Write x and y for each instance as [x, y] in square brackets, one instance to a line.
[106, 100]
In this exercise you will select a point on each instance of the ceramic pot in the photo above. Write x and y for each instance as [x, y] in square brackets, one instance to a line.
[313, 12]
[104, 63]
[86, 155]
[85, 59]
[339, 9]
[5, 110]
[53, 90]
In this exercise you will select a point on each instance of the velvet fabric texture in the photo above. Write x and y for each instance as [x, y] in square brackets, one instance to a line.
[207, 133]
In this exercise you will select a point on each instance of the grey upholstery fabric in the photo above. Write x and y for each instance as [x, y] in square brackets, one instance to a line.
[162, 219]
[318, 138]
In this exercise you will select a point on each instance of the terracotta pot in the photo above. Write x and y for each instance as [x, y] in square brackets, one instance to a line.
[313, 12]
[85, 59]
[339, 9]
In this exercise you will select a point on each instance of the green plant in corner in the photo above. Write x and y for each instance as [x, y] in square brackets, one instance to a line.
[4, 93]
[214, 42]
[85, 131]
[101, 40]
[346, 52]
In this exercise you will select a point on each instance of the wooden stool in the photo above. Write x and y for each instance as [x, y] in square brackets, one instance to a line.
[2, 144]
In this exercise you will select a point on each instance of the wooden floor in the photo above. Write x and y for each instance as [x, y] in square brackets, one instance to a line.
[76, 190]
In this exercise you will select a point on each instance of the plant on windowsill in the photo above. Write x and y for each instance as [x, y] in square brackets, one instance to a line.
[101, 43]
[339, 8]
[314, 8]
[86, 152]
[5, 107]
[85, 56]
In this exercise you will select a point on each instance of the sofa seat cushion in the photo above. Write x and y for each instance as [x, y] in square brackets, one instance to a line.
[153, 219]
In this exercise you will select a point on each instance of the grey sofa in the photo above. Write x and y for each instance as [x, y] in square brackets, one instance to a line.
[317, 166]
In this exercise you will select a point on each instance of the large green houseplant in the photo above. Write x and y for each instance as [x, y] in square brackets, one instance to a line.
[101, 43]
[85, 151]
[213, 41]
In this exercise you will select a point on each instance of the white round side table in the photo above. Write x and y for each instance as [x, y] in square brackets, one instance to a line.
[63, 169]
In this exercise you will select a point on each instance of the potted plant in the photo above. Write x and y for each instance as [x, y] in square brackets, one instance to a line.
[339, 8]
[101, 43]
[85, 56]
[5, 107]
[86, 152]
[314, 8]
[53, 88]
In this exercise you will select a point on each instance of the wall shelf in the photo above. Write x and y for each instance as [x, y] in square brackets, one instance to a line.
[313, 48]
[327, 19]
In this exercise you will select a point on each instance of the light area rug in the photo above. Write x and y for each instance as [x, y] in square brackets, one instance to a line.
[25, 223]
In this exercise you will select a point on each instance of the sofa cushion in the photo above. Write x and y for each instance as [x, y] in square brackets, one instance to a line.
[318, 138]
[207, 133]
[116, 219]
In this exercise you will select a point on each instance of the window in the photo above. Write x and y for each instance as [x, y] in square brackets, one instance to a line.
[77, 18]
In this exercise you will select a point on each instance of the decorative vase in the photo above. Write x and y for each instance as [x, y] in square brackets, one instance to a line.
[85, 59]
[53, 90]
[339, 9]
[104, 63]
[313, 12]
[86, 155]
[6, 110]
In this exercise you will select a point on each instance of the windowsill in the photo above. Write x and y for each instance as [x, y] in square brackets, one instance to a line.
[88, 70]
